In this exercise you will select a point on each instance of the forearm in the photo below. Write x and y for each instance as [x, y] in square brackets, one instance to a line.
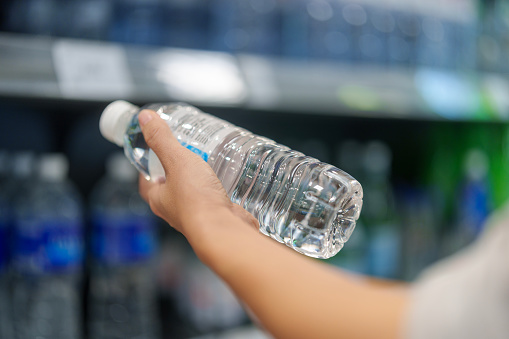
[291, 295]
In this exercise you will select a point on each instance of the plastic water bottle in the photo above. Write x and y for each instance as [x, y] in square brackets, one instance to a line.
[48, 255]
[309, 205]
[5, 310]
[122, 294]
[473, 204]
[4, 218]
[20, 183]
[380, 219]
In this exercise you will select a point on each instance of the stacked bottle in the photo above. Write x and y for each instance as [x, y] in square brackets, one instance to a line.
[380, 218]
[5, 311]
[122, 294]
[48, 255]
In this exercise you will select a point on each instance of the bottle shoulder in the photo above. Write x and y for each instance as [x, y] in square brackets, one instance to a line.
[50, 199]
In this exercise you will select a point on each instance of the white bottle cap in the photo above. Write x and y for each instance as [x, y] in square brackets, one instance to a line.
[118, 167]
[53, 167]
[114, 120]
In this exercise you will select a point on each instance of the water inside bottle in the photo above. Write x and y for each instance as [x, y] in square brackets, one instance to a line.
[306, 204]
[137, 148]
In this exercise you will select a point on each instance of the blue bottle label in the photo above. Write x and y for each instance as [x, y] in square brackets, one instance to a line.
[121, 240]
[64, 248]
[49, 246]
[196, 150]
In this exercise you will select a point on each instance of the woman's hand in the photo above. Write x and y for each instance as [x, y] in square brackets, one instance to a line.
[191, 188]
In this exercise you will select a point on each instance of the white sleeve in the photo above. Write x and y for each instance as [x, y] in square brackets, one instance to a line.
[467, 295]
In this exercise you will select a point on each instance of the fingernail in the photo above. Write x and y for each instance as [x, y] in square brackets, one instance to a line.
[144, 117]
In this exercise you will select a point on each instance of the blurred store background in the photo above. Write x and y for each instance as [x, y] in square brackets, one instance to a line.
[410, 97]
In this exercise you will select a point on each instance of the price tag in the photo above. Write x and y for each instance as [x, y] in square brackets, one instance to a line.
[91, 70]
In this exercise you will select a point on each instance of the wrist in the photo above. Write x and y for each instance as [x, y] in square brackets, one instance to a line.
[218, 234]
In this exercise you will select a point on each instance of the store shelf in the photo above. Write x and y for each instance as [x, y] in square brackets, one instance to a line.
[332, 88]
[65, 69]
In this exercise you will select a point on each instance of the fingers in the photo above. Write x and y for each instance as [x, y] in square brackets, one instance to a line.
[246, 216]
[149, 191]
[144, 186]
[158, 137]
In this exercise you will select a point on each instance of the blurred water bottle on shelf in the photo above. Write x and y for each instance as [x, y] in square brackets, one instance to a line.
[321, 37]
[402, 44]
[421, 214]
[5, 310]
[448, 34]
[294, 29]
[366, 44]
[20, 175]
[30, 16]
[474, 200]
[4, 212]
[187, 23]
[501, 26]
[47, 255]
[309, 205]
[83, 19]
[337, 41]
[137, 22]
[245, 26]
[491, 43]
[18, 183]
[380, 30]
[380, 217]
[122, 293]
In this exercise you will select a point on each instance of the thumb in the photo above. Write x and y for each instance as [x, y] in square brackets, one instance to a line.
[158, 137]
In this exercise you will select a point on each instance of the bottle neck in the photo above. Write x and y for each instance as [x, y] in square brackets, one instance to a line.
[122, 124]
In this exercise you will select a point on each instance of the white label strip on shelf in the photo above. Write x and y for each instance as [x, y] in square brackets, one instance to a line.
[91, 70]
[199, 76]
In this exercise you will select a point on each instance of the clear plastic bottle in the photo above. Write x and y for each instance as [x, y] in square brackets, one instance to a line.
[5, 310]
[48, 255]
[20, 184]
[309, 205]
[4, 213]
[380, 218]
[122, 293]
[474, 199]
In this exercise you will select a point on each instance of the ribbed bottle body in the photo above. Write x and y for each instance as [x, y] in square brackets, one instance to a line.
[309, 205]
